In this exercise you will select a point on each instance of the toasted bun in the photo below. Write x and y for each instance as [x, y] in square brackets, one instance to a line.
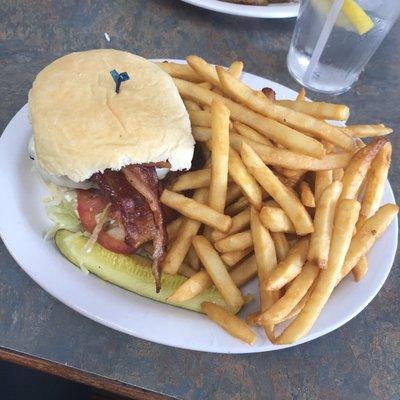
[82, 126]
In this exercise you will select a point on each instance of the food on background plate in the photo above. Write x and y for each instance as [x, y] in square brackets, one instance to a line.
[259, 2]
[273, 190]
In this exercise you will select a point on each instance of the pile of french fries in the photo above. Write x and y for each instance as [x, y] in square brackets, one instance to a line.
[283, 196]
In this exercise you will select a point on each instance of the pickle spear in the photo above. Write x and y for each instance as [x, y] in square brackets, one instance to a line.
[131, 272]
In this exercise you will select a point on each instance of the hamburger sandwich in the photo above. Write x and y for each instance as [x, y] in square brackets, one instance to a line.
[107, 127]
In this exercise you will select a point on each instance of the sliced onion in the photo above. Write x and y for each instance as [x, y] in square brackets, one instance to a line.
[102, 219]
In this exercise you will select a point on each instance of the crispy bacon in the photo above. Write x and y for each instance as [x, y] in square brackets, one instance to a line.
[269, 93]
[133, 192]
[144, 180]
[135, 214]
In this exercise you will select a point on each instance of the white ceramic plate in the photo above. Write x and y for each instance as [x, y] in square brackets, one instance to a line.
[284, 10]
[23, 222]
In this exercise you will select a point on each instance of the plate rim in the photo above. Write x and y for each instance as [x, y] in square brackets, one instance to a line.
[240, 349]
[273, 11]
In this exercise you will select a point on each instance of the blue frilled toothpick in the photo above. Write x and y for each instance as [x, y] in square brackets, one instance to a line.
[119, 78]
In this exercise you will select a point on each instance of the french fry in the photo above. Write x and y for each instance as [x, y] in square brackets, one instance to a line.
[244, 180]
[250, 133]
[191, 105]
[344, 224]
[219, 156]
[363, 131]
[252, 319]
[290, 267]
[204, 69]
[287, 159]
[185, 270]
[300, 305]
[281, 244]
[276, 220]
[248, 298]
[236, 69]
[192, 180]
[375, 186]
[201, 133]
[358, 167]
[323, 225]
[285, 197]
[229, 322]
[367, 235]
[306, 195]
[194, 210]
[233, 193]
[290, 182]
[218, 272]
[359, 143]
[173, 228]
[337, 174]
[207, 232]
[217, 91]
[244, 272]
[235, 242]
[193, 259]
[319, 110]
[181, 245]
[279, 142]
[233, 257]
[239, 205]
[290, 173]
[329, 147]
[200, 118]
[360, 269]
[301, 96]
[181, 71]
[264, 251]
[239, 222]
[303, 122]
[206, 85]
[288, 137]
[322, 180]
[201, 281]
[293, 295]
[208, 72]
[195, 285]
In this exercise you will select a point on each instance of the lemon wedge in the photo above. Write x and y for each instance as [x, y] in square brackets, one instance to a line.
[360, 20]
[352, 17]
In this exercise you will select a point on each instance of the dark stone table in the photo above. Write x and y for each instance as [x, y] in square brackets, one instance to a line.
[358, 361]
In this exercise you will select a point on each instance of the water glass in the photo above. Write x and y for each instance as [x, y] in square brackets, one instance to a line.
[330, 47]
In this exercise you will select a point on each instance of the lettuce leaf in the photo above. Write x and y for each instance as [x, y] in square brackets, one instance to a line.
[64, 216]
[62, 212]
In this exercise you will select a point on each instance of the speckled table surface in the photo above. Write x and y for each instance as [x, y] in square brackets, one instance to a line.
[358, 361]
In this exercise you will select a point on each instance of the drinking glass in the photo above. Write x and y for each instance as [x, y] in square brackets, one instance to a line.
[333, 41]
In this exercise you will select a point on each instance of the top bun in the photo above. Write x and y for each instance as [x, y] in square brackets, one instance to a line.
[82, 126]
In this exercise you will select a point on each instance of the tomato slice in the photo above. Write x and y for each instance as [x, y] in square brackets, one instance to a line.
[91, 203]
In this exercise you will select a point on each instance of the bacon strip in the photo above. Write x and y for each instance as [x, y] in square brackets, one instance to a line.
[269, 93]
[135, 213]
[134, 194]
[144, 180]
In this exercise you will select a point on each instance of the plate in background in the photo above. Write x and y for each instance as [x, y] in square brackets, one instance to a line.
[281, 10]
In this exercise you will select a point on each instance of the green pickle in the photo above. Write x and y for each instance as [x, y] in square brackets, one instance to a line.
[131, 272]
